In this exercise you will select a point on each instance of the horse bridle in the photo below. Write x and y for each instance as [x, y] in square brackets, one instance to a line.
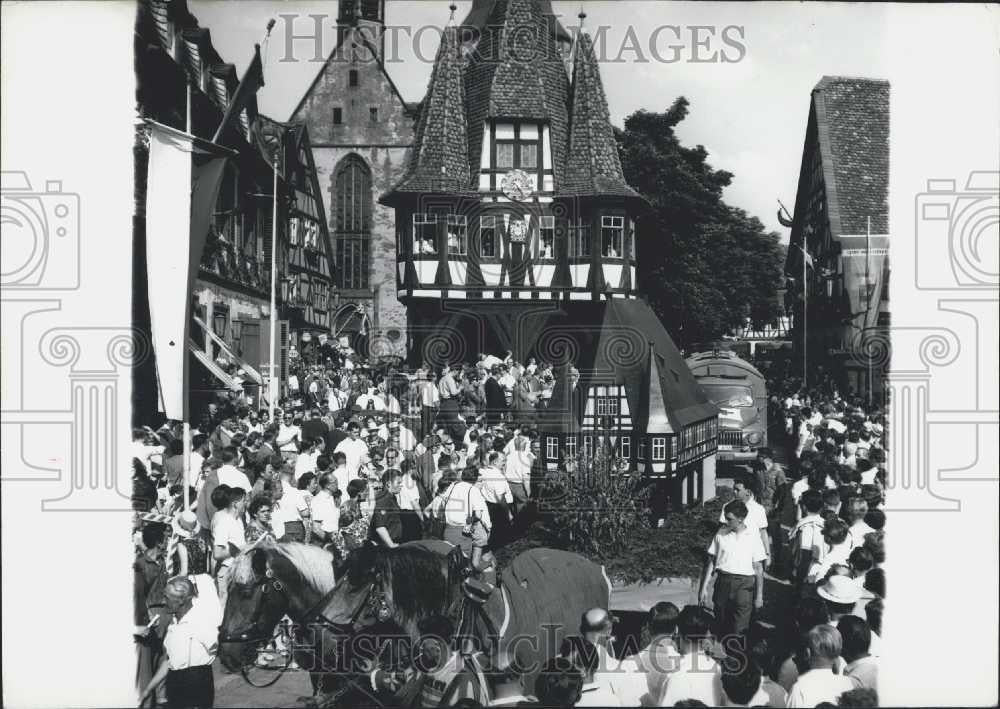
[373, 607]
[257, 631]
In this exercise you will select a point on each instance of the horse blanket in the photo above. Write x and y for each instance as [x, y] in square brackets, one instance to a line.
[539, 600]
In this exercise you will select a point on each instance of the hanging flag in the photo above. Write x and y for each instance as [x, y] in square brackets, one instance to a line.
[250, 84]
[182, 188]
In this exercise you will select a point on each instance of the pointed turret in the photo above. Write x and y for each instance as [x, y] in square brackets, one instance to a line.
[439, 162]
[593, 167]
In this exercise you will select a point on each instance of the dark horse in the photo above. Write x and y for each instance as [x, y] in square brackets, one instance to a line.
[370, 615]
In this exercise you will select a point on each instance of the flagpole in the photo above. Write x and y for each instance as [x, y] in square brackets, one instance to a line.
[273, 388]
[805, 318]
[868, 303]
[185, 423]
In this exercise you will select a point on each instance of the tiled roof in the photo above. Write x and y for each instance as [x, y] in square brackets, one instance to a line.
[439, 161]
[852, 118]
[593, 166]
[481, 11]
[516, 72]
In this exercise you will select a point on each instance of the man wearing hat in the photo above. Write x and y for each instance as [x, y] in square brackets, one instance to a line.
[191, 644]
[401, 437]
[841, 593]
[193, 555]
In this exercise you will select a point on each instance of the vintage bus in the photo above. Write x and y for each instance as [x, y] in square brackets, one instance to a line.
[739, 391]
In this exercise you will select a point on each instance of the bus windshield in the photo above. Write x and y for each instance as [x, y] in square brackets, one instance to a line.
[730, 395]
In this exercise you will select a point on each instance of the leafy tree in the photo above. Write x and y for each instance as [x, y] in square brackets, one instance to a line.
[713, 265]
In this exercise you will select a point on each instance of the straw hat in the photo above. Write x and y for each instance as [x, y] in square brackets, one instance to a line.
[840, 589]
[186, 524]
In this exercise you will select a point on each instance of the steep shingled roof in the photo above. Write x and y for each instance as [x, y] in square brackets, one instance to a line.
[481, 10]
[516, 72]
[593, 166]
[439, 161]
[852, 118]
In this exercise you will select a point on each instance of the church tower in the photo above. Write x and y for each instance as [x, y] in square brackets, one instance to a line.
[366, 15]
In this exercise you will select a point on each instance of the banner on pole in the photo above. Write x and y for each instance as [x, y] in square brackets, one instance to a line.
[182, 188]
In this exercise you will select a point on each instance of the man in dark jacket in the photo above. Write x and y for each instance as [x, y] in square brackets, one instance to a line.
[314, 427]
[387, 524]
[496, 400]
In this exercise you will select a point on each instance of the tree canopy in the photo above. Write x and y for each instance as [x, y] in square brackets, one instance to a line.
[704, 266]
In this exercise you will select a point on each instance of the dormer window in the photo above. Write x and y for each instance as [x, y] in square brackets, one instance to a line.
[517, 146]
[612, 236]
[424, 234]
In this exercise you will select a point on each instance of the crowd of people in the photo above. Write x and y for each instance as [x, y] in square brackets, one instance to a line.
[358, 454]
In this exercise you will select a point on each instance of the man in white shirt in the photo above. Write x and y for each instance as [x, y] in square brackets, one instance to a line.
[199, 454]
[354, 449]
[325, 513]
[697, 675]
[144, 450]
[517, 470]
[601, 670]
[308, 459]
[230, 475]
[288, 438]
[857, 508]
[496, 492]
[735, 557]
[745, 489]
[340, 472]
[861, 667]
[644, 674]
[371, 398]
[290, 511]
[820, 684]
[191, 644]
[488, 361]
[806, 538]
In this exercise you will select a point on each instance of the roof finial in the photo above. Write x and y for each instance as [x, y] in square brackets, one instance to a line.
[582, 15]
[451, 19]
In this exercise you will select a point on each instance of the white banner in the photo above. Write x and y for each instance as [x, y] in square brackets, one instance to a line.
[181, 190]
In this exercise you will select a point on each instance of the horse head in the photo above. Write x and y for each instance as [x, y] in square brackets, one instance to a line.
[268, 581]
[383, 594]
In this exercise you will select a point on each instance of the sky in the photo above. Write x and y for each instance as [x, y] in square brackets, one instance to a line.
[750, 114]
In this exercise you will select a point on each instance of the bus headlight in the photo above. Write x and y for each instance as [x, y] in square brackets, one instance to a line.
[752, 438]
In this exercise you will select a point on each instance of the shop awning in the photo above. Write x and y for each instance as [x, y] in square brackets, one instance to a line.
[217, 371]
